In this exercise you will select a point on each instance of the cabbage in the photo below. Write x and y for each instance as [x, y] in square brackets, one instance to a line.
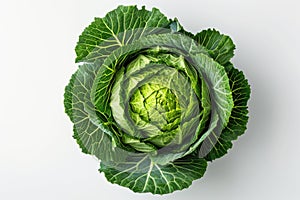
[153, 102]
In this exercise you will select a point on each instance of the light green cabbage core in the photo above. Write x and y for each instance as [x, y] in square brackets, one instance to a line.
[155, 103]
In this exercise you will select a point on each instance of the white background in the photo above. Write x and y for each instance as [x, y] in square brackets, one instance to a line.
[40, 160]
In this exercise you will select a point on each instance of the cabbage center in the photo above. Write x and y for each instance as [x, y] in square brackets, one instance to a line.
[157, 105]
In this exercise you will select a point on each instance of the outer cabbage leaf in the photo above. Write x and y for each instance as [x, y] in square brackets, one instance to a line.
[68, 97]
[91, 138]
[222, 102]
[106, 34]
[220, 47]
[239, 114]
[141, 175]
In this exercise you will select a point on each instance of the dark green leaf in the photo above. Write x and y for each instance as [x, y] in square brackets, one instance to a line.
[141, 175]
[118, 28]
[239, 115]
[90, 137]
[220, 47]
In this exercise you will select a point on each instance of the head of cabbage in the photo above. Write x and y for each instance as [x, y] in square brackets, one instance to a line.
[154, 102]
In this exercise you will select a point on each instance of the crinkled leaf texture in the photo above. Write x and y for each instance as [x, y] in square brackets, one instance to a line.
[154, 102]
